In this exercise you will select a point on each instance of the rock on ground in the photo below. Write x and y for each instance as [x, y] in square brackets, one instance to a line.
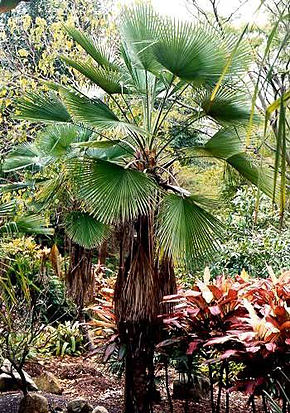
[7, 382]
[33, 403]
[48, 383]
[100, 409]
[79, 406]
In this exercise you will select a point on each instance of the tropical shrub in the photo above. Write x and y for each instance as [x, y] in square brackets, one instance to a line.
[61, 340]
[241, 320]
[26, 262]
[252, 242]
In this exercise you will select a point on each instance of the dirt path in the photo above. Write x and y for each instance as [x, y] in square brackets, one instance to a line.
[86, 378]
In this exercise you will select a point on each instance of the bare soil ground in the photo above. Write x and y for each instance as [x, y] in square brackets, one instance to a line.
[83, 377]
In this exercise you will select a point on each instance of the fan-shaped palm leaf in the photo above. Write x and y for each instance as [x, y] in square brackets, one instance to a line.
[229, 106]
[107, 150]
[112, 193]
[227, 145]
[42, 108]
[30, 224]
[111, 81]
[186, 231]
[189, 52]
[56, 140]
[139, 27]
[85, 230]
[7, 209]
[24, 156]
[100, 55]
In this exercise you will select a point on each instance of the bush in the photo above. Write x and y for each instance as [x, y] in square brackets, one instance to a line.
[251, 245]
[241, 320]
[64, 339]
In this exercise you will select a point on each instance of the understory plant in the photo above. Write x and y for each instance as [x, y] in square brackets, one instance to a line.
[117, 167]
[236, 319]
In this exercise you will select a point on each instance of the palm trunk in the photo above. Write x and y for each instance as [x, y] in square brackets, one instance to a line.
[138, 292]
[80, 277]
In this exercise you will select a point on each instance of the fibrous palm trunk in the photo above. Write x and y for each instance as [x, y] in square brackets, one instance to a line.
[80, 280]
[139, 290]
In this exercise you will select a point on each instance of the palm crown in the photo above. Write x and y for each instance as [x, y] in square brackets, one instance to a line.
[116, 163]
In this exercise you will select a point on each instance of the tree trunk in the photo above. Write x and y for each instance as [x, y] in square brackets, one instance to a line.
[139, 290]
[80, 280]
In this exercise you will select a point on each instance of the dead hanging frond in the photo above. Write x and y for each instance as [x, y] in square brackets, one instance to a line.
[55, 260]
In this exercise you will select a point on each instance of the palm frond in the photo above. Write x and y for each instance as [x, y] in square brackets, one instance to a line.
[228, 145]
[38, 107]
[24, 156]
[30, 224]
[190, 52]
[7, 209]
[111, 81]
[107, 150]
[186, 231]
[261, 177]
[85, 230]
[55, 141]
[100, 55]
[85, 110]
[111, 192]
[229, 106]
[139, 28]
[222, 145]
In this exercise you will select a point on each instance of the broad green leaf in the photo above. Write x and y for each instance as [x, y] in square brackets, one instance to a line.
[111, 81]
[39, 107]
[100, 55]
[85, 230]
[185, 230]
[111, 192]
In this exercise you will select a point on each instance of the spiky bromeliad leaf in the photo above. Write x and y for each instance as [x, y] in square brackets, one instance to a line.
[111, 81]
[85, 230]
[38, 107]
[111, 192]
[186, 231]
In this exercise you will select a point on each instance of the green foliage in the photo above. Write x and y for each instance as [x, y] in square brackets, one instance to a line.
[25, 260]
[251, 245]
[61, 340]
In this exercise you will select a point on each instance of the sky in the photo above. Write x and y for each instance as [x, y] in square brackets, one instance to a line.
[179, 9]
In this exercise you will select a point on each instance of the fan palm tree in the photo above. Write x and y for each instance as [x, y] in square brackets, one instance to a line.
[157, 62]
[44, 160]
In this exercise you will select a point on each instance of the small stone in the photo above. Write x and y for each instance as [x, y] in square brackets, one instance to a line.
[33, 403]
[48, 383]
[79, 406]
[7, 382]
[100, 409]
